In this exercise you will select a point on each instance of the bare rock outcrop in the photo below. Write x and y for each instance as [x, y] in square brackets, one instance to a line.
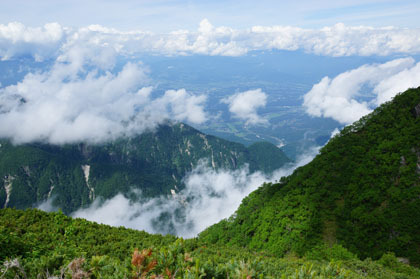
[416, 111]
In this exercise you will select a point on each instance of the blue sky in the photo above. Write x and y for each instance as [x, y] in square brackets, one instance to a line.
[169, 15]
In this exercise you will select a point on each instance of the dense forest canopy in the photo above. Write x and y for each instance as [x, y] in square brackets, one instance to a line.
[362, 191]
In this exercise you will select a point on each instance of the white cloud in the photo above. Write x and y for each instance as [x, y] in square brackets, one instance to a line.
[338, 98]
[338, 40]
[183, 106]
[407, 78]
[42, 43]
[334, 133]
[209, 196]
[244, 105]
[48, 205]
[79, 99]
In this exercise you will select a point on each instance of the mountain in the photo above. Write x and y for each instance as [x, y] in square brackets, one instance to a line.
[362, 192]
[155, 162]
[359, 198]
[36, 244]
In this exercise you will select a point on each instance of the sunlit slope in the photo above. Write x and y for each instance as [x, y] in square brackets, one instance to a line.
[36, 244]
[362, 191]
[155, 162]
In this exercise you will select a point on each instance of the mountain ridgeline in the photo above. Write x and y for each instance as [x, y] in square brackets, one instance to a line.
[155, 162]
[362, 192]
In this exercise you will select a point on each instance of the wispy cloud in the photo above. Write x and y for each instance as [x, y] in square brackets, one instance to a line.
[209, 196]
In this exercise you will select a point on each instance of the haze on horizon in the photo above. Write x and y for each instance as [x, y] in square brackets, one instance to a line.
[164, 16]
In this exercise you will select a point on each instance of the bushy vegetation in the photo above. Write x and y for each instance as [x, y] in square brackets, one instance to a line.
[35, 244]
[362, 192]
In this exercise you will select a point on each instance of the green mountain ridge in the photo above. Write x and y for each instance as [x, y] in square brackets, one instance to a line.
[154, 162]
[362, 192]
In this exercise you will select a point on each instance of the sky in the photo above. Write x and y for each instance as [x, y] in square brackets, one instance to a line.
[168, 15]
[84, 40]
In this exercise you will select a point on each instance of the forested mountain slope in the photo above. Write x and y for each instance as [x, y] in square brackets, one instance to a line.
[362, 191]
[154, 162]
[36, 244]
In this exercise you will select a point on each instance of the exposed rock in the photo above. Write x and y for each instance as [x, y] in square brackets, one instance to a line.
[416, 111]
[403, 162]
[50, 191]
[206, 142]
[404, 260]
[173, 193]
[418, 163]
[27, 170]
[417, 152]
[213, 164]
[8, 187]
[86, 172]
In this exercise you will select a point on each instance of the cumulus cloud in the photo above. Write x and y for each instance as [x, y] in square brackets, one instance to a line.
[244, 105]
[338, 40]
[340, 98]
[80, 99]
[182, 106]
[209, 196]
[41, 43]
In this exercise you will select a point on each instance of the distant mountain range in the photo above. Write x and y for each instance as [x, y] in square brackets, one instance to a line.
[74, 175]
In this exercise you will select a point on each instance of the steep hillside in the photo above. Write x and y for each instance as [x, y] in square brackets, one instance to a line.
[362, 191]
[36, 244]
[153, 162]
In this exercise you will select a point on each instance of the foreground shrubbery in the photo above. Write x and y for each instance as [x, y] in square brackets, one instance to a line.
[35, 244]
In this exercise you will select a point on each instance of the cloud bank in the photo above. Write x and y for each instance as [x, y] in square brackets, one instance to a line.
[338, 40]
[208, 197]
[341, 98]
[244, 106]
[80, 99]
[41, 42]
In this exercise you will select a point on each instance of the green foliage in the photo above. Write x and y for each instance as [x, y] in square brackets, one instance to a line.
[362, 191]
[45, 234]
[56, 246]
[336, 252]
[266, 157]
